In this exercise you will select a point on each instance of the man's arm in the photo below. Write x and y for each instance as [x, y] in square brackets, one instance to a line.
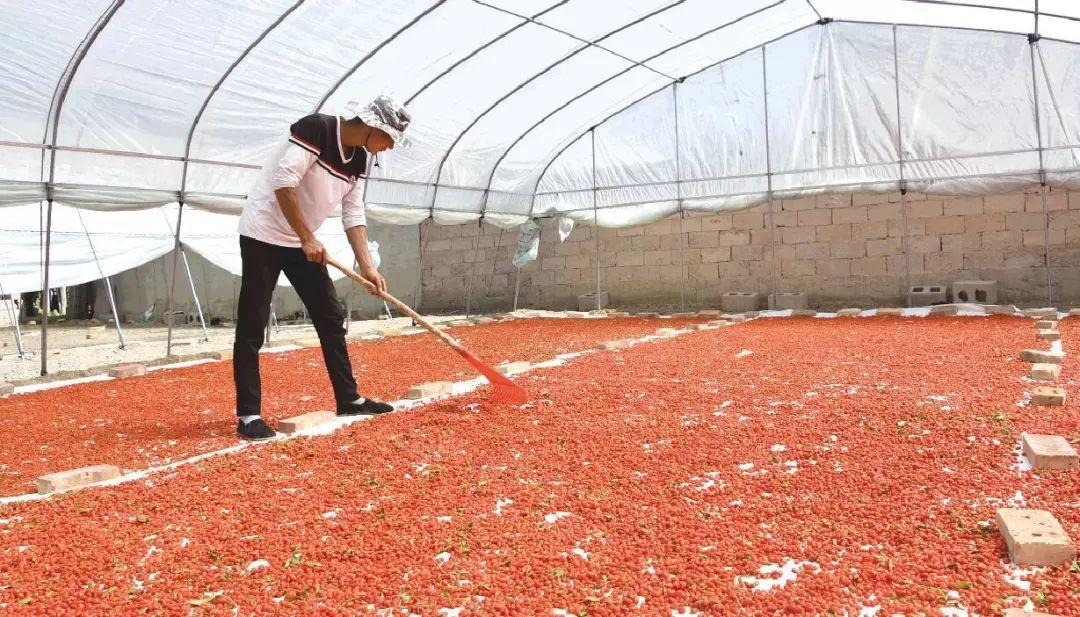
[358, 240]
[290, 207]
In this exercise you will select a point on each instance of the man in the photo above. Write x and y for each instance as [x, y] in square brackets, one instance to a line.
[313, 172]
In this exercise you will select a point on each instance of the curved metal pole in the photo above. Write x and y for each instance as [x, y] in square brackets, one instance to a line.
[600, 84]
[534, 77]
[647, 95]
[62, 88]
[370, 54]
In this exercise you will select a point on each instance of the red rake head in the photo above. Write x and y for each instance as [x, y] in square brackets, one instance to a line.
[503, 390]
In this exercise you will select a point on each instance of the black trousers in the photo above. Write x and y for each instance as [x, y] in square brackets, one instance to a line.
[262, 264]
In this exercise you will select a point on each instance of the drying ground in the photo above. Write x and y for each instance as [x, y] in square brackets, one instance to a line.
[841, 466]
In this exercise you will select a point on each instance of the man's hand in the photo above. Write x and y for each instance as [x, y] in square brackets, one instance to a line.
[314, 250]
[376, 279]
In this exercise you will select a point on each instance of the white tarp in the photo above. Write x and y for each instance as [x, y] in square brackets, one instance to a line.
[157, 100]
[88, 245]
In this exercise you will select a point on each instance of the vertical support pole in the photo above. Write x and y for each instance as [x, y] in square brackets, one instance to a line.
[191, 283]
[172, 282]
[45, 289]
[1033, 46]
[903, 178]
[683, 274]
[596, 218]
[472, 266]
[768, 174]
[112, 307]
[424, 232]
[517, 286]
[494, 263]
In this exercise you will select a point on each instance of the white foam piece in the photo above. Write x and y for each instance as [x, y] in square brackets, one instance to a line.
[151, 369]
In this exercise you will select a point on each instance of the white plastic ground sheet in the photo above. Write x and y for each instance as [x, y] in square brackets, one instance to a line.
[613, 113]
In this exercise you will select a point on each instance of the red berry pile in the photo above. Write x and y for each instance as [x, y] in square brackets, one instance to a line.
[177, 413]
[841, 464]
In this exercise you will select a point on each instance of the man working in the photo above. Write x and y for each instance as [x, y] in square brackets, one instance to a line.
[313, 172]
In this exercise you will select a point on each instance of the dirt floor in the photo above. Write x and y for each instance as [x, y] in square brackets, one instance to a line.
[795, 466]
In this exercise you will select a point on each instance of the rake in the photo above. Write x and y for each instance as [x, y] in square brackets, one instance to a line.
[503, 390]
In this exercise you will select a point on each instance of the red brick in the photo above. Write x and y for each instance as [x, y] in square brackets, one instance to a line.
[305, 421]
[127, 370]
[73, 478]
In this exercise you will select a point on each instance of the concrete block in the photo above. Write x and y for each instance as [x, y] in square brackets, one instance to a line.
[667, 332]
[1042, 357]
[618, 314]
[1046, 324]
[127, 370]
[1074, 312]
[980, 292]
[739, 301]
[703, 326]
[1034, 537]
[587, 301]
[458, 323]
[1041, 313]
[785, 300]
[6, 389]
[513, 368]
[483, 319]
[577, 314]
[224, 355]
[1050, 452]
[849, 312]
[425, 390]
[72, 478]
[1049, 335]
[1048, 396]
[613, 345]
[382, 332]
[1044, 371]
[927, 295]
[709, 313]
[305, 421]
[944, 309]
[803, 312]
[1001, 309]
[890, 312]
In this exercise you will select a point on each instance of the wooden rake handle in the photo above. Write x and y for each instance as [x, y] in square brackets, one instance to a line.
[404, 308]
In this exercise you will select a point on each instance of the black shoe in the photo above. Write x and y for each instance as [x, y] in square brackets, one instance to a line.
[369, 407]
[256, 430]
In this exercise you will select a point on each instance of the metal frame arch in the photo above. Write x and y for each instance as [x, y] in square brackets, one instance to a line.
[59, 96]
[599, 84]
[523, 84]
[651, 93]
[412, 22]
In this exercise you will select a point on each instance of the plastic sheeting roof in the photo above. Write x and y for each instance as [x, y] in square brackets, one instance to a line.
[696, 104]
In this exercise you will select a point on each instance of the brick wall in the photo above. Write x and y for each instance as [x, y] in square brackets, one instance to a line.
[841, 250]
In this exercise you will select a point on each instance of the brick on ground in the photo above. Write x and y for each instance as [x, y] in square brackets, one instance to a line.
[63, 480]
[1050, 335]
[1044, 371]
[613, 345]
[709, 313]
[513, 368]
[305, 421]
[803, 313]
[577, 314]
[849, 312]
[1074, 312]
[224, 355]
[893, 312]
[703, 326]
[1046, 324]
[1048, 396]
[1050, 452]
[944, 309]
[667, 332]
[390, 331]
[132, 369]
[6, 389]
[1000, 309]
[1043, 313]
[433, 388]
[618, 314]
[1034, 537]
[483, 320]
[1040, 356]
